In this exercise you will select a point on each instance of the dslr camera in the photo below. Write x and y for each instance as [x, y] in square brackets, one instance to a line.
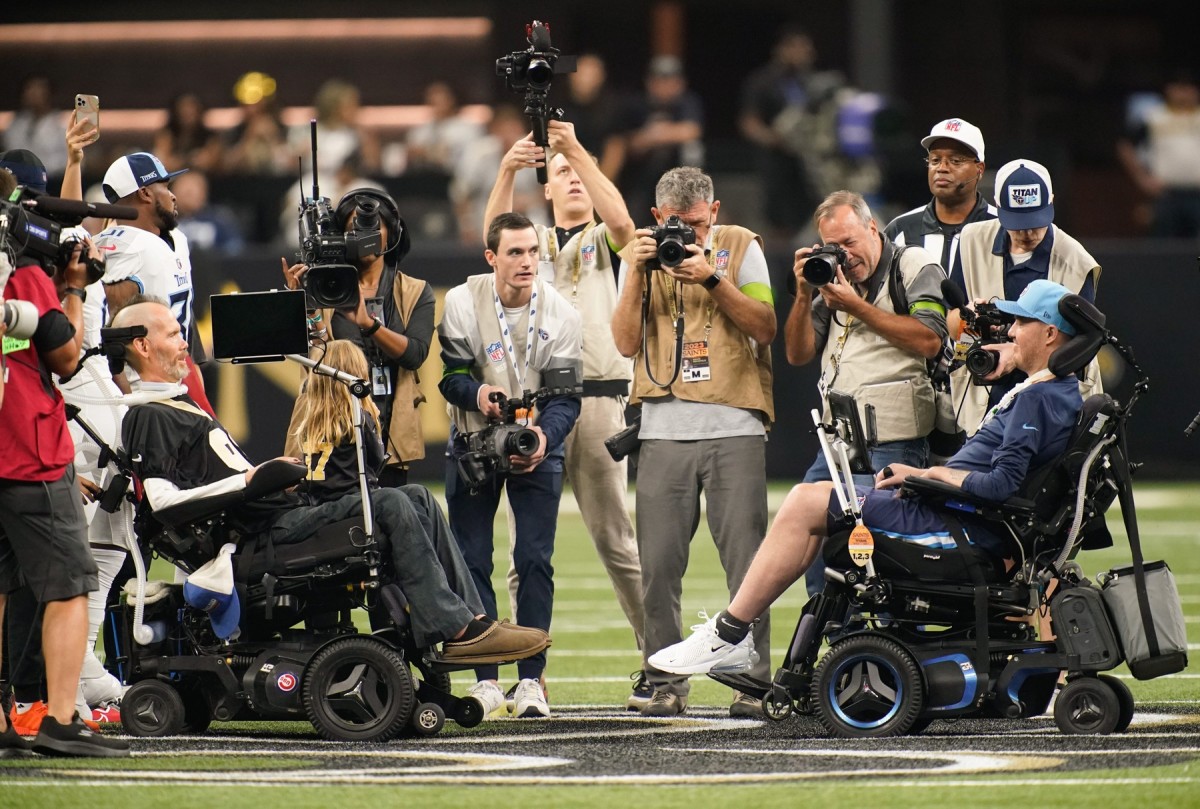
[673, 239]
[488, 450]
[822, 265]
[990, 327]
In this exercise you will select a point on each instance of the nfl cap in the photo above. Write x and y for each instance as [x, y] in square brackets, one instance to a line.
[1024, 195]
[132, 172]
[26, 167]
[957, 129]
[1039, 301]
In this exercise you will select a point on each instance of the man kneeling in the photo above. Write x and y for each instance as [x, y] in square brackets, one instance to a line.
[182, 454]
[1027, 429]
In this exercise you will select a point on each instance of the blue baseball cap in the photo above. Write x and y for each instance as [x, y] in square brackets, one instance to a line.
[224, 609]
[1039, 301]
[26, 167]
[134, 171]
[1024, 195]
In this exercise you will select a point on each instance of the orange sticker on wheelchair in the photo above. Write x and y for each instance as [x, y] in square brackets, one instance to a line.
[861, 545]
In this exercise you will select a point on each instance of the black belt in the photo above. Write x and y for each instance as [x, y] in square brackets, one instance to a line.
[606, 387]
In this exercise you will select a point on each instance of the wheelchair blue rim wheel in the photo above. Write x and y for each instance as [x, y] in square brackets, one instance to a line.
[868, 686]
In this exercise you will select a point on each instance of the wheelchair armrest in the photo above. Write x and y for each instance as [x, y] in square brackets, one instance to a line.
[272, 476]
[937, 492]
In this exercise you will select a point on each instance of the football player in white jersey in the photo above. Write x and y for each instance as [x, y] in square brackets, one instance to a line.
[149, 255]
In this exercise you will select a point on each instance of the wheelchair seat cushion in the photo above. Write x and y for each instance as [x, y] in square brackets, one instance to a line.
[898, 559]
[332, 543]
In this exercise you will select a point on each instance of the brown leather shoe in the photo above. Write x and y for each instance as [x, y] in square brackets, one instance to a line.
[499, 643]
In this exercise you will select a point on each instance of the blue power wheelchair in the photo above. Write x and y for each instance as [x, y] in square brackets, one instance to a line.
[917, 634]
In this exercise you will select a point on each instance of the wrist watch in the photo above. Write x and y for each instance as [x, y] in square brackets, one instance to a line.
[77, 292]
[711, 281]
[374, 327]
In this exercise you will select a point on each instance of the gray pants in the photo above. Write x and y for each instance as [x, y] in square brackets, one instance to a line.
[425, 560]
[671, 474]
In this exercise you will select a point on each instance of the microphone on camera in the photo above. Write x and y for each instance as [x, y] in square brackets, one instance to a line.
[78, 209]
[953, 295]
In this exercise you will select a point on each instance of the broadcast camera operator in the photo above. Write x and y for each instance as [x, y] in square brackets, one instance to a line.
[502, 334]
[389, 315]
[696, 312]
[999, 258]
[875, 321]
[43, 537]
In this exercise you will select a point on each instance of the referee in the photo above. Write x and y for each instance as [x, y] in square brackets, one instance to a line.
[955, 164]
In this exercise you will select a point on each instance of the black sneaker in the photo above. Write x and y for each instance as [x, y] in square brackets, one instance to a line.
[76, 739]
[642, 691]
[11, 743]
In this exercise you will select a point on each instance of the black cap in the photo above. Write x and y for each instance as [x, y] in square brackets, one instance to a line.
[26, 167]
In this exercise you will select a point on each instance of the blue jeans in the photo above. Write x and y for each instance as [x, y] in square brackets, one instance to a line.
[534, 497]
[913, 452]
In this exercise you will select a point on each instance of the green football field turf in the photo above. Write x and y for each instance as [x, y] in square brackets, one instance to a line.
[590, 663]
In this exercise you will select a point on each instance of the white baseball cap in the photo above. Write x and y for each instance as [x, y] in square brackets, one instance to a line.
[134, 171]
[957, 129]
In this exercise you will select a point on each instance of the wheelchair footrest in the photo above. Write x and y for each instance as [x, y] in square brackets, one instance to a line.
[743, 682]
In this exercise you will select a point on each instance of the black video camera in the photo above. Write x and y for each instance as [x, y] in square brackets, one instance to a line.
[31, 227]
[530, 72]
[488, 450]
[990, 327]
[330, 252]
[821, 266]
[673, 239]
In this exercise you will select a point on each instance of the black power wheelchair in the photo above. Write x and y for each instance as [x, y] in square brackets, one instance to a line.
[917, 634]
[299, 654]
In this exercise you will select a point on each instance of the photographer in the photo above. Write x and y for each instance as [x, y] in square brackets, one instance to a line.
[578, 256]
[42, 533]
[705, 428]
[501, 333]
[874, 325]
[392, 323]
[1001, 257]
[149, 255]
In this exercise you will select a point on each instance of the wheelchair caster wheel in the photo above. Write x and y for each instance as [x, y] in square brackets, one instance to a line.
[1087, 706]
[776, 705]
[428, 719]
[469, 712]
[152, 708]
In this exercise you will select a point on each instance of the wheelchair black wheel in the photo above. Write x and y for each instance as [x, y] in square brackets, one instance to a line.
[469, 712]
[868, 686]
[428, 719]
[776, 706]
[358, 690]
[152, 708]
[1087, 706]
[1124, 700]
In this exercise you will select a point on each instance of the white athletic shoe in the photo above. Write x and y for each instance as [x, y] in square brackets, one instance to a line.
[704, 651]
[530, 700]
[489, 696]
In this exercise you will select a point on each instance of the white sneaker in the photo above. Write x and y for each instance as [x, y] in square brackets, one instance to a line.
[489, 695]
[530, 700]
[704, 651]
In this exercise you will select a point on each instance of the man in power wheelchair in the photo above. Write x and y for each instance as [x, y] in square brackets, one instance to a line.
[293, 563]
[927, 598]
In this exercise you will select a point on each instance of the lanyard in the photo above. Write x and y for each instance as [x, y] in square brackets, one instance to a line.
[505, 333]
[552, 244]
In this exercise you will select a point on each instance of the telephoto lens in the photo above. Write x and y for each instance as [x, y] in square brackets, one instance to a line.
[20, 319]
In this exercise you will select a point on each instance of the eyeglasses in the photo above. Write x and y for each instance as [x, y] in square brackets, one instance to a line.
[957, 161]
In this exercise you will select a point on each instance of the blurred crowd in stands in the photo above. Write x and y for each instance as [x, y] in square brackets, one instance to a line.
[804, 130]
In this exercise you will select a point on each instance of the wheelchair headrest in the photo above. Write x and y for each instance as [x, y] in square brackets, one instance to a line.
[1090, 334]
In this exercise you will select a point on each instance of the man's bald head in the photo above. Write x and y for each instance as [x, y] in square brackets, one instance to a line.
[160, 356]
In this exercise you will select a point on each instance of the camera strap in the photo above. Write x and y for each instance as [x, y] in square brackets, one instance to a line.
[677, 316]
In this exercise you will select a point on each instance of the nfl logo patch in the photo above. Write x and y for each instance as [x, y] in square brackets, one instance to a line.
[495, 352]
[722, 259]
[588, 253]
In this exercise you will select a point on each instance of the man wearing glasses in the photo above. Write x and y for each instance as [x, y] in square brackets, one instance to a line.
[955, 160]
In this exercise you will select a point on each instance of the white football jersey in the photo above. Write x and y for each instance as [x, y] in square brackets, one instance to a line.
[133, 254]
